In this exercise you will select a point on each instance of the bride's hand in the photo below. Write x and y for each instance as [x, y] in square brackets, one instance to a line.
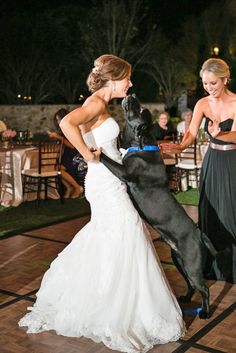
[214, 128]
[94, 155]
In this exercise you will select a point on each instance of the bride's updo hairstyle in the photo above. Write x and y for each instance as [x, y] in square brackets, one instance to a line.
[217, 67]
[107, 67]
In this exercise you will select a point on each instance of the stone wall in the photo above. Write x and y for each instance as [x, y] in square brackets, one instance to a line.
[39, 118]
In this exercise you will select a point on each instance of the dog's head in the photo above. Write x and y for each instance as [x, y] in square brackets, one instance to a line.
[131, 106]
[138, 120]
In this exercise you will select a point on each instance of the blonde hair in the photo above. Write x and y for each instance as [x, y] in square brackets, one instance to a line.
[217, 66]
[107, 67]
[164, 113]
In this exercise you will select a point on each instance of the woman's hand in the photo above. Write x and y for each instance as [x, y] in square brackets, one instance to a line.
[54, 135]
[171, 148]
[93, 155]
[214, 128]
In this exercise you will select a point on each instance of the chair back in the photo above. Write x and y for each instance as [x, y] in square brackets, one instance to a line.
[49, 155]
[189, 155]
[188, 165]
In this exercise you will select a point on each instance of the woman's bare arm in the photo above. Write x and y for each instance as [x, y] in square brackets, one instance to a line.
[191, 133]
[227, 136]
[56, 136]
[92, 108]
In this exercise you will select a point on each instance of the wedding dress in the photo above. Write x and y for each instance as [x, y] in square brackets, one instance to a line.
[108, 284]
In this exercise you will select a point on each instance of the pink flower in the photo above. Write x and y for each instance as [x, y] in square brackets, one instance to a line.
[8, 134]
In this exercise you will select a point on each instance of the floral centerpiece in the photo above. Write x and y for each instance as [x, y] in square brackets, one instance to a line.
[7, 136]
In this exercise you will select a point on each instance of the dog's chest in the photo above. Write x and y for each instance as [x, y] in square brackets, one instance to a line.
[144, 166]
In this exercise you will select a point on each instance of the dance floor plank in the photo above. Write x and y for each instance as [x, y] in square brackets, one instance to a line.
[23, 262]
[64, 231]
[25, 257]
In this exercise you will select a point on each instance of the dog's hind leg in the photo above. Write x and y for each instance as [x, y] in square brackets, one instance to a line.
[207, 242]
[194, 282]
[203, 289]
[180, 267]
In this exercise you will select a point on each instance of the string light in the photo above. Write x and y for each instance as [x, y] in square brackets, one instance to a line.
[216, 50]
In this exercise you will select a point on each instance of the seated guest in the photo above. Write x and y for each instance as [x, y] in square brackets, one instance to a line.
[183, 126]
[163, 128]
[68, 168]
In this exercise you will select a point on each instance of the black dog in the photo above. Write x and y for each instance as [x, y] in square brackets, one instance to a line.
[144, 173]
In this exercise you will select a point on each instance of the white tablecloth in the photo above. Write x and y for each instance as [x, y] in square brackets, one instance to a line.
[12, 162]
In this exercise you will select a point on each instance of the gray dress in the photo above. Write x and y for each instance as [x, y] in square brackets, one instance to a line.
[217, 207]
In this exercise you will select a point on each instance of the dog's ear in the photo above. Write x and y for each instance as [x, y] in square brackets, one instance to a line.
[124, 102]
[147, 117]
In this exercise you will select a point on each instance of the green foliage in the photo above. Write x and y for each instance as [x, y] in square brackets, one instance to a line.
[29, 216]
[175, 119]
[189, 197]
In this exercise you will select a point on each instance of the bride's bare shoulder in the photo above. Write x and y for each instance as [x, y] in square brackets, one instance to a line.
[94, 100]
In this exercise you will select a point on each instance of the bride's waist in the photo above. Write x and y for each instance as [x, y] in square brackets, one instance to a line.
[98, 167]
[100, 178]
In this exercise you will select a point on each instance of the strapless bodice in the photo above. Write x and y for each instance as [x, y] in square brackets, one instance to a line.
[105, 136]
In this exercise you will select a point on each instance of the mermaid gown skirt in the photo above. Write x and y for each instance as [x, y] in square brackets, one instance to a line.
[108, 284]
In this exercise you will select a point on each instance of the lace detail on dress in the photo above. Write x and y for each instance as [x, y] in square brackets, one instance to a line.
[160, 332]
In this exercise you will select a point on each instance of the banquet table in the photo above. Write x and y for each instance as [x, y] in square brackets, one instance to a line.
[12, 161]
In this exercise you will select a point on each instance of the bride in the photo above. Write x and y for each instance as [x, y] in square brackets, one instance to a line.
[107, 284]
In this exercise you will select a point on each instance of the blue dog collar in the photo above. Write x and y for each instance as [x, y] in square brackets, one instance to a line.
[145, 148]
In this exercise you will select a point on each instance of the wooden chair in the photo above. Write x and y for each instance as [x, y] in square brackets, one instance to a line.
[188, 164]
[7, 181]
[47, 174]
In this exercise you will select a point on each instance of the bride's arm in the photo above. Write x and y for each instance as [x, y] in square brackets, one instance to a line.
[92, 108]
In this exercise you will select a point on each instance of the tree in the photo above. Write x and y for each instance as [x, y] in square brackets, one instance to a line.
[217, 32]
[116, 27]
[38, 51]
[167, 68]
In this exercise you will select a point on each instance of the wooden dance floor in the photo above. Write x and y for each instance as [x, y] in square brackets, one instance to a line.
[25, 257]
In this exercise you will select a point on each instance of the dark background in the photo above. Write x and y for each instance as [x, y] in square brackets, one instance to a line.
[48, 47]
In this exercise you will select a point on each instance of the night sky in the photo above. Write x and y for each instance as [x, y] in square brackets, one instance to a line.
[168, 15]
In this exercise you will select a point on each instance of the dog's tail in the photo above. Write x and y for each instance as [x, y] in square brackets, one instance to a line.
[207, 242]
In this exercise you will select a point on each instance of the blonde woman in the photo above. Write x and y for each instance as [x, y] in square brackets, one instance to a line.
[217, 217]
[163, 128]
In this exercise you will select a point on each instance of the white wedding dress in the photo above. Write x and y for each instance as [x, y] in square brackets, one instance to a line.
[108, 284]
